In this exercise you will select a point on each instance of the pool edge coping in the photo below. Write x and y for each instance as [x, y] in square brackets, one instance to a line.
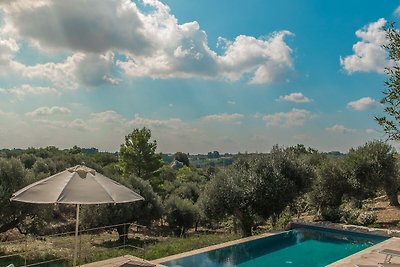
[389, 240]
[214, 247]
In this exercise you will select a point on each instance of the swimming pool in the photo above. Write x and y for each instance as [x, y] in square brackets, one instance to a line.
[303, 247]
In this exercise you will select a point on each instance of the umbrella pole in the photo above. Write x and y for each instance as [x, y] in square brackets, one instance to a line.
[76, 234]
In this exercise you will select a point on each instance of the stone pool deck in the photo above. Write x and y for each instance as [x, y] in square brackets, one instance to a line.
[123, 261]
[371, 255]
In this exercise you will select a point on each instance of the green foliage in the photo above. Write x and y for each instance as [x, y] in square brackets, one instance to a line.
[283, 219]
[372, 167]
[142, 212]
[182, 157]
[328, 188]
[255, 186]
[391, 99]
[181, 214]
[138, 154]
[367, 218]
[24, 217]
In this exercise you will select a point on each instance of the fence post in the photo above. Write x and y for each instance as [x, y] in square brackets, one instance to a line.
[26, 250]
[124, 235]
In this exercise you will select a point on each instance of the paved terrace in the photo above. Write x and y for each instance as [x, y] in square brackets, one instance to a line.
[371, 255]
[123, 261]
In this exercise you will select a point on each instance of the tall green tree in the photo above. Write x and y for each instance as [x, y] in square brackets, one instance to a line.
[391, 99]
[138, 154]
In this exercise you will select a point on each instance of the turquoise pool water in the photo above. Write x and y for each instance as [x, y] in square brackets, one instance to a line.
[300, 247]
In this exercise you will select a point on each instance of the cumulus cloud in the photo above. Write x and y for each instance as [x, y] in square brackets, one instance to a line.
[47, 111]
[89, 26]
[338, 128]
[8, 47]
[295, 97]
[371, 131]
[231, 102]
[397, 11]
[76, 124]
[138, 121]
[79, 68]
[295, 117]
[26, 89]
[151, 43]
[369, 55]
[266, 60]
[109, 116]
[364, 103]
[223, 117]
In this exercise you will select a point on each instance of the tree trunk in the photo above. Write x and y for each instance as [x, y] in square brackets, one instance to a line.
[122, 232]
[393, 200]
[391, 193]
[246, 223]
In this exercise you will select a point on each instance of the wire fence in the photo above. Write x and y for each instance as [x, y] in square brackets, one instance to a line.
[57, 249]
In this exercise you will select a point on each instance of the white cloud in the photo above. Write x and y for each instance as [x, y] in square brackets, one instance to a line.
[77, 124]
[26, 89]
[151, 43]
[6, 114]
[295, 97]
[369, 55]
[109, 116]
[79, 68]
[266, 60]
[231, 102]
[144, 122]
[223, 117]
[257, 115]
[8, 47]
[295, 117]
[363, 103]
[371, 131]
[46, 111]
[89, 26]
[397, 11]
[338, 128]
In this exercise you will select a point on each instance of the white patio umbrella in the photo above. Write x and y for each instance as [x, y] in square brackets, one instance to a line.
[77, 185]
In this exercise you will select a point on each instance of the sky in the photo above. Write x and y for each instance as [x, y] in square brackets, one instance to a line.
[226, 75]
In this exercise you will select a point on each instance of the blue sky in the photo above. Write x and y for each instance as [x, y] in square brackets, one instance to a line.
[225, 75]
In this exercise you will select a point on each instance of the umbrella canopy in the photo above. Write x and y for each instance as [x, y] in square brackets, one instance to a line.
[76, 185]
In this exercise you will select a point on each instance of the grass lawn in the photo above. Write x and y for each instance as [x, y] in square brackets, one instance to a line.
[102, 246]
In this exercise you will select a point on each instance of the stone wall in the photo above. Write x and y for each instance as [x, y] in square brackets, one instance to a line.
[338, 226]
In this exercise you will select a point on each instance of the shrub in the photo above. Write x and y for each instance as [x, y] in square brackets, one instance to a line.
[181, 214]
[331, 214]
[367, 218]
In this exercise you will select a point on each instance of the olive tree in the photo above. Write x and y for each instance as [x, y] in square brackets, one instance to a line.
[181, 214]
[142, 212]
[371, 167]
[22, 216]
[255, 186]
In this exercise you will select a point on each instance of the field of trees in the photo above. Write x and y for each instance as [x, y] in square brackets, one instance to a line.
[249, 192]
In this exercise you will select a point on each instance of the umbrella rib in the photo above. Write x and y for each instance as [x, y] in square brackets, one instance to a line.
[65, 187]
[105, 189]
